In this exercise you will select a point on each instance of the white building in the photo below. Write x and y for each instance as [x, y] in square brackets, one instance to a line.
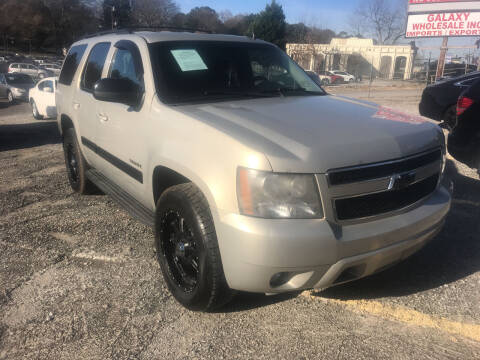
[356, 56]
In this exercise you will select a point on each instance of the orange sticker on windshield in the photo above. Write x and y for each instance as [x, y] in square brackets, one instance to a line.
[395, 115]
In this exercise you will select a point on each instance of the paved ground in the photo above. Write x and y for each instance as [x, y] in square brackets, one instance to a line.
[79, 280]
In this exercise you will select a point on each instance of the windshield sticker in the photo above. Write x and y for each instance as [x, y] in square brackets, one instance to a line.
[188, 60]
[395, 115]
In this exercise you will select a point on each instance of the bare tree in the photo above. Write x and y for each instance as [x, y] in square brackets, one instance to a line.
[153, 12]
[384, 20]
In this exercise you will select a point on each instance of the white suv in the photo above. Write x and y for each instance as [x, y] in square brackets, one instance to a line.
[253, 177]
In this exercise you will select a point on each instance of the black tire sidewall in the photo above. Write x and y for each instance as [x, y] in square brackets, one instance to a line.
[197, 299]
[80, 186]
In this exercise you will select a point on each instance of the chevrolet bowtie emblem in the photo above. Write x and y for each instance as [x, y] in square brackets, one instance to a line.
[401, 181]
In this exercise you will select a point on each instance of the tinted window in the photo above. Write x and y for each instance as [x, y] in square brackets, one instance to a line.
[123, 67]
[71, 64]
[18, 79]
[94, 66]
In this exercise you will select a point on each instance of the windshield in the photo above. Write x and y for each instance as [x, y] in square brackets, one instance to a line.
[18, 79]
[204, 71]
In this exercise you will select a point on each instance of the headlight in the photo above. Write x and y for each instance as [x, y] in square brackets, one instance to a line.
[276, 196]
[18, 91]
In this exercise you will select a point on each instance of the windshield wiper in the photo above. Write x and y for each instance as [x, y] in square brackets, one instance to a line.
[287, 90]
[239, 93]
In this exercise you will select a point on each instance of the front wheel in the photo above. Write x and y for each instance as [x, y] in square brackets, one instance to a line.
[10, 98]
[187, 249]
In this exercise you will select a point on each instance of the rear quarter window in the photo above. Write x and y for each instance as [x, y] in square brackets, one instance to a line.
[71, 63]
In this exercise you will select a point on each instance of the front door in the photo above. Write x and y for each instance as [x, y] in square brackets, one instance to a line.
[120, 134]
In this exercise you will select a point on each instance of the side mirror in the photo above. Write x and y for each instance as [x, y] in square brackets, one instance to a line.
[123, 91]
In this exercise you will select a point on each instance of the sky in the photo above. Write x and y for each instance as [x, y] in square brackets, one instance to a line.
[332, 14]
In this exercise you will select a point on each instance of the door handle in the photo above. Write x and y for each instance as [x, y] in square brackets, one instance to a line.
[76, 105]
[103, 117]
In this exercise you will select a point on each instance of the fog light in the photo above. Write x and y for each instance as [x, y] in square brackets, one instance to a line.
[280, 278]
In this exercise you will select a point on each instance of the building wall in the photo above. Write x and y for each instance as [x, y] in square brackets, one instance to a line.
[364, 51]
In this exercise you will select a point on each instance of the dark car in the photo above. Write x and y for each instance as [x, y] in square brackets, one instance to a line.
[464, 140]
[439, 100]
[15, 86]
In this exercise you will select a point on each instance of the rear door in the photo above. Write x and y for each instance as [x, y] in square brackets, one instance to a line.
[84, 104]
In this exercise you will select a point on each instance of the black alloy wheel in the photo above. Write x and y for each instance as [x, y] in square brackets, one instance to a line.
[187, 249]
[180, 250]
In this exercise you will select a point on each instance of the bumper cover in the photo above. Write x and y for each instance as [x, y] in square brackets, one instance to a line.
[316, 253]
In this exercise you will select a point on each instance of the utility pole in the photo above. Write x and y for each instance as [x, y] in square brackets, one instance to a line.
[428, 68]
[441, 59]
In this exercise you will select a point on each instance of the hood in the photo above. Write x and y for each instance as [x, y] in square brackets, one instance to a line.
[313, 134]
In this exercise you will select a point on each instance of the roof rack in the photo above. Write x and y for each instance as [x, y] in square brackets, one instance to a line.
[131, 30]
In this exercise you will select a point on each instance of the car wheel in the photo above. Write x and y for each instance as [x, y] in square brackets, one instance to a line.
[187, 249]
[36, 114]
[76, 164]
[351, 81]
[10, 98]
[450, 117]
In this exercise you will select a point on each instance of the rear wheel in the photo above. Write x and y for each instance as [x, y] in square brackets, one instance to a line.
[76, 164]
[187, 249]
[450, 117]
[35, 113]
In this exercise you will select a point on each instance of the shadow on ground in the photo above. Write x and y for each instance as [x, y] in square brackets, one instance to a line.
[23, 136]
[453, 255]
[247, 301]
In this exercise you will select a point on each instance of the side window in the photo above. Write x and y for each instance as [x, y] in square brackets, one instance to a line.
[71, 63]
[92, 71]
[123, 67]
[45, 84]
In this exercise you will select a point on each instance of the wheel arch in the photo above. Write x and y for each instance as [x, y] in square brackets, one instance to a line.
[65, 124]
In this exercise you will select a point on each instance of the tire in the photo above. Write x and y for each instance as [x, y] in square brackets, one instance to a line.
[187, 249]
[450, 117]
[76, 164]
[351, 81]
[10, 98]
[35, 113]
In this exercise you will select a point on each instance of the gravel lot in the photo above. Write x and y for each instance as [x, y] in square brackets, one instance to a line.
[79, 279]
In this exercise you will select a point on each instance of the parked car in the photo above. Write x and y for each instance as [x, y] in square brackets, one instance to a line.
[42, 99]
[464, 140]
[439, 100]
[54, 68]
[15, 86]
[349, 78]
[29, 69]
[321, 81]
[253, 177]
[334, 79]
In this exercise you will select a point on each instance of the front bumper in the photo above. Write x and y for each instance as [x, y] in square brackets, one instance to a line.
[271, 256]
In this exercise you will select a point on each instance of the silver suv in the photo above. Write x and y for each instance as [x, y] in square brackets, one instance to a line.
[253, 177]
